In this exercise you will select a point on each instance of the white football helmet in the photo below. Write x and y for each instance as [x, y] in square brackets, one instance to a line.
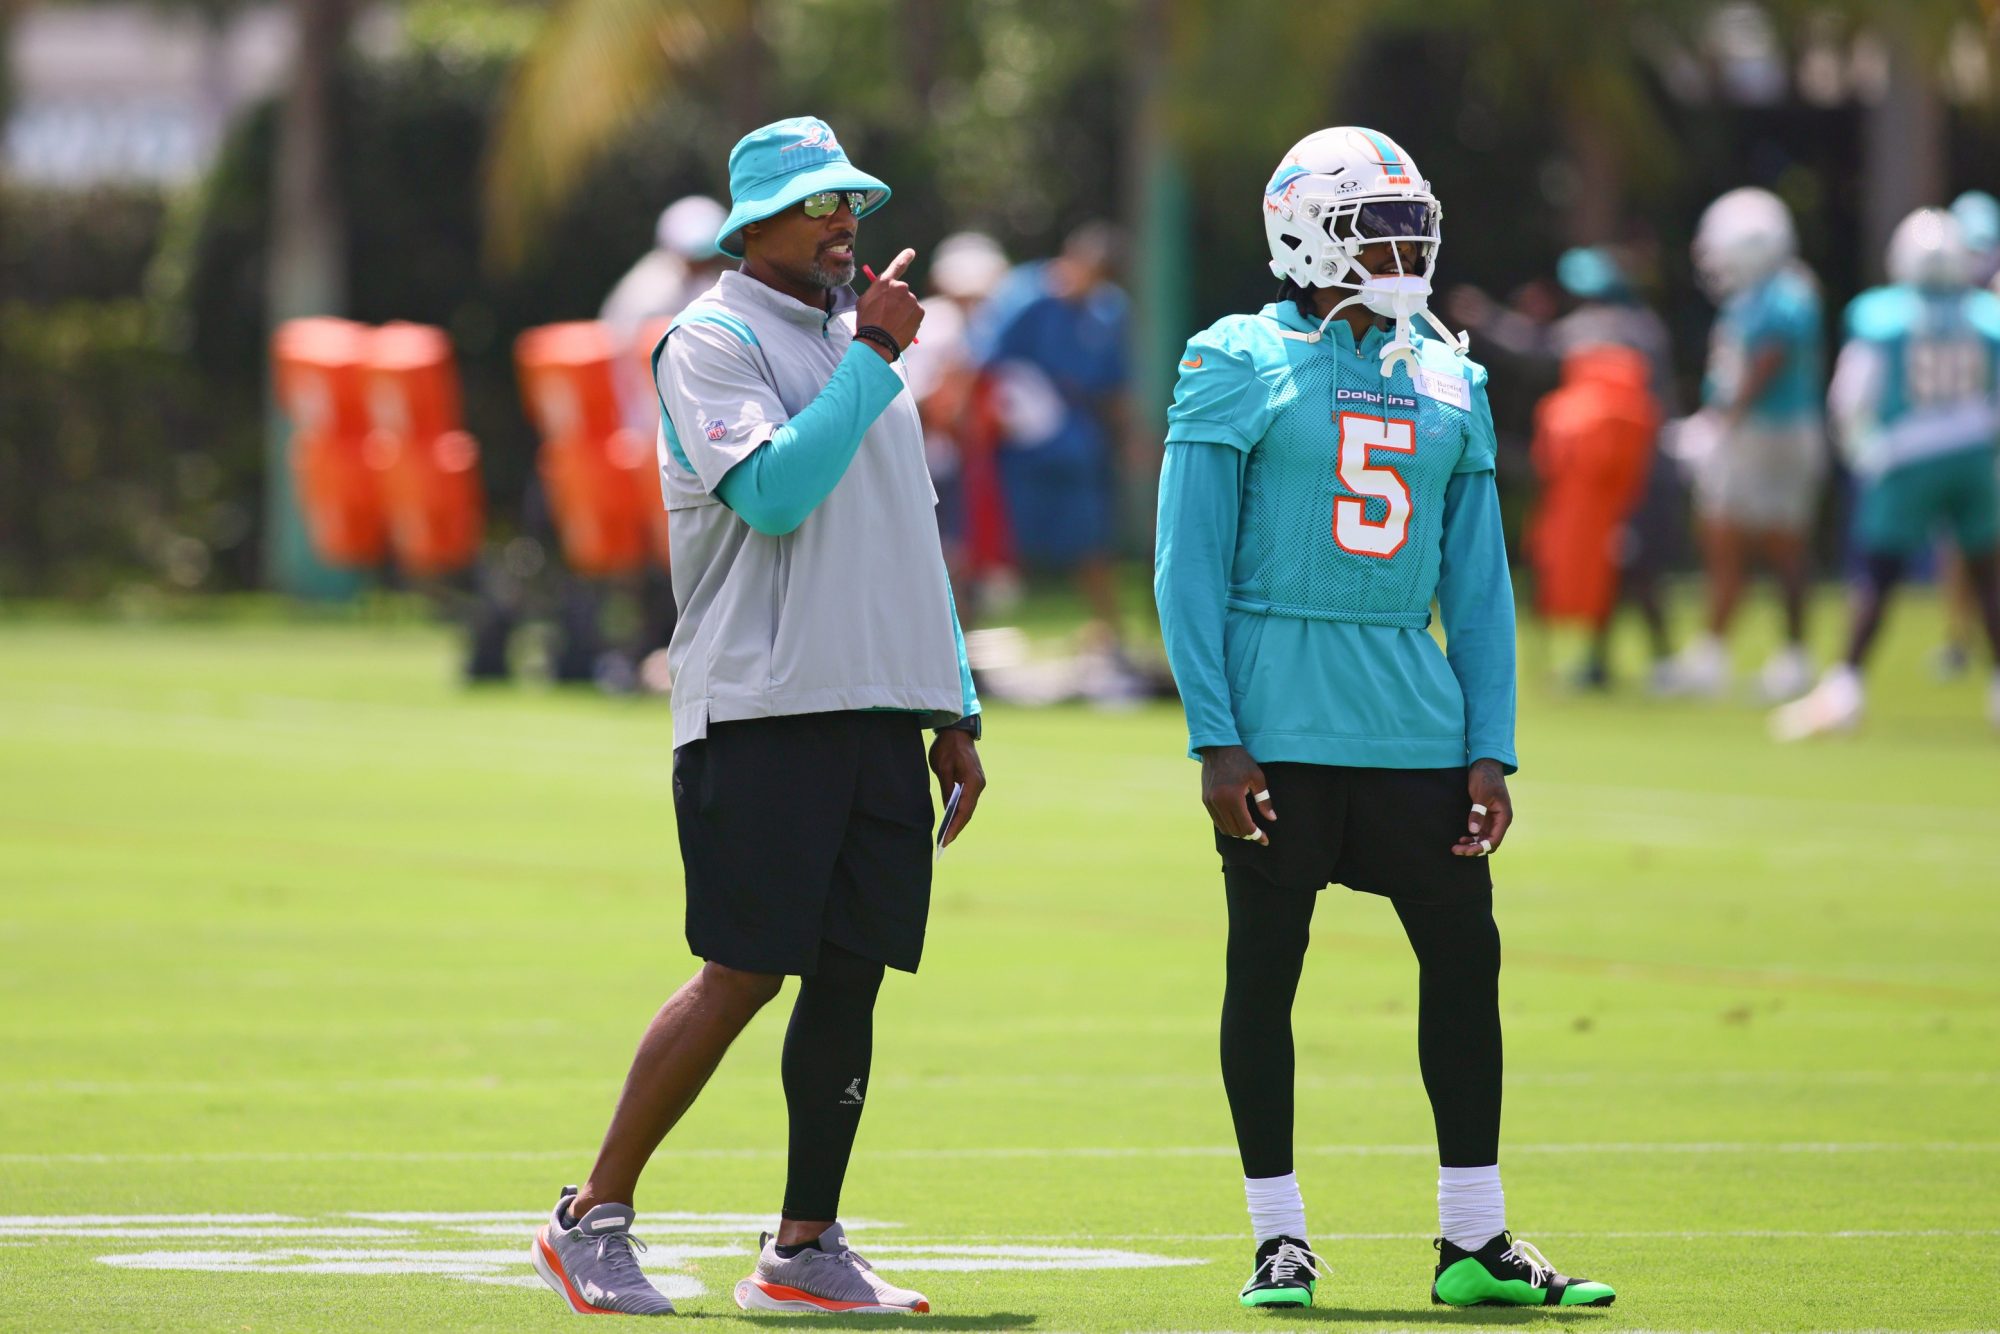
[1744, 237]
[1928, 249]
[1338, 191]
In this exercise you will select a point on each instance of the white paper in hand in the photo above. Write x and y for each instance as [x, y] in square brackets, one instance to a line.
[944, 825]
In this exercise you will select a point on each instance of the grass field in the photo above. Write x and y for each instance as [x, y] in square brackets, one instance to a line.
[320, 975]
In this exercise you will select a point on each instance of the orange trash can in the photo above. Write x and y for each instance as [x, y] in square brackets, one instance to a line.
[317, 372]
[418, 445]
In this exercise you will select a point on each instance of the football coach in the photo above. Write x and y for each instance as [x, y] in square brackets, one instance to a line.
[817, 641]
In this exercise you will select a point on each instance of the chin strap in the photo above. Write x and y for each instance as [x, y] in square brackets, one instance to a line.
[1400, 348]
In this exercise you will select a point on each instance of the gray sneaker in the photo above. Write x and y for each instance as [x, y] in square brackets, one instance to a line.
[824, 1277]
[592, 1263]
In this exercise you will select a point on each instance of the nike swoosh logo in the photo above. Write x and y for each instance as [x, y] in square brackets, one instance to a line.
[1194, 365]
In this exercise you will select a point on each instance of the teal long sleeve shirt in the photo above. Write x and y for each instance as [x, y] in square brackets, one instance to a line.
[1325, 691]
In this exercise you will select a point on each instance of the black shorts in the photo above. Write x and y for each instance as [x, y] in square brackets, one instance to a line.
[1382, 831]
[802, 829]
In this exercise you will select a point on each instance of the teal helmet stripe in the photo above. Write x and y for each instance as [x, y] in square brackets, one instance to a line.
[1391, 159]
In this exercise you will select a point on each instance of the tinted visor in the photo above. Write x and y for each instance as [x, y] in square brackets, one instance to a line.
[1395, 219]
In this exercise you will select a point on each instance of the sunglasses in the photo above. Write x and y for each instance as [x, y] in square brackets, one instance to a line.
[826, 201]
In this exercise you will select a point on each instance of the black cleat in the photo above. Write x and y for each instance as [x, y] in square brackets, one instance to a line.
[1505, 1272]
[1285, 1274]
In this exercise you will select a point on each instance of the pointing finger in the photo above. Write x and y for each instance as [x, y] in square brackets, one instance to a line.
[898, 266]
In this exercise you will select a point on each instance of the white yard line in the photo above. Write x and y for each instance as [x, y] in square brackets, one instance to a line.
[1696, 1234]
[1028, 1152]
[494, 1084]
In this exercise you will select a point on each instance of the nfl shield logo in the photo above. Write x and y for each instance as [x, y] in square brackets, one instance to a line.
[716, 429]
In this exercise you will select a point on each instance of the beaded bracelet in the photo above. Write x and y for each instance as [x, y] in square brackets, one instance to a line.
[882, 338]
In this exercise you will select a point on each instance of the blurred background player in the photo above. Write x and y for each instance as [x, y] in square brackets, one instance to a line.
[1592, 451]
[1606, 312]
[1913, 401]
[682, 264]
[1978, 215]
[1328, 471]
[1053, 339]
[1756, 449]
[945, 382]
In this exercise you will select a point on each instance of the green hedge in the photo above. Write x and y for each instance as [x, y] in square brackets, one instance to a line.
[114, 465]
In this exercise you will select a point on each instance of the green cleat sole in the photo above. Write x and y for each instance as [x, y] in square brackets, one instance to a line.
[1279, 1297]
[1580, 1299]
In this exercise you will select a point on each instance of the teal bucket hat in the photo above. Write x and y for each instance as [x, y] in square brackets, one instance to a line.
[773, 168]
[1589, 273]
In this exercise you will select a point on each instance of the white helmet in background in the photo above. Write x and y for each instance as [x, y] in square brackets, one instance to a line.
[1928, 249]
[1744, 237]
[968, 266]
[687, 228]
[1338, 191]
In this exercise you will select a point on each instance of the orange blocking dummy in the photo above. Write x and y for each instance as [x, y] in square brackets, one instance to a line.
[317, 365]
[429, 465]
[1593, 446]
[594, 470]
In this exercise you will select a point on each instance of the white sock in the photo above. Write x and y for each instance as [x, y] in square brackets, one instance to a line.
[1276, 1207]
[1472, 1209]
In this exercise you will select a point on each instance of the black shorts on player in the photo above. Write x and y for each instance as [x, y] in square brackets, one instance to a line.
[805, 829]
[1382, 831]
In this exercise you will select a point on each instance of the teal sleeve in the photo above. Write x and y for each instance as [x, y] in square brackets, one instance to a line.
[968, 698]
[1201, 488]
[1476, 599]
[784, 479]
[1782, 317]
[1219, 399]
[1482, 446]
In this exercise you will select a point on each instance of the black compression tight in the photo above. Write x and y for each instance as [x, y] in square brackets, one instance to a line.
[1458, 1019]
[828, 1049]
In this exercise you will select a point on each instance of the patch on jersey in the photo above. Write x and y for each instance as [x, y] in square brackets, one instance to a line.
[1451, 389]
[715, 429]
[1369, 396]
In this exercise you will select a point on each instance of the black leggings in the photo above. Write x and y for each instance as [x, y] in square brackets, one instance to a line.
[1458, 1019]
[828, 1048]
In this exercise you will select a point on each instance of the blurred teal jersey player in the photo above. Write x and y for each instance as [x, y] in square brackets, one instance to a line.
[1781, 312]
[1916, 400]
[1328, 473]
[1757, 448]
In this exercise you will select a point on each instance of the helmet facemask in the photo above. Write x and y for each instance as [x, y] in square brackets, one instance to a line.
[1410, 227]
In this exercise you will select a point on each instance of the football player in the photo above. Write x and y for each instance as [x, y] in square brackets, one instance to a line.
[1913, 403]
[1762, 460]
[1329, 470]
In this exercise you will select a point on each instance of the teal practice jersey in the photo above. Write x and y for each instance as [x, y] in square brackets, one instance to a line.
[1782, 311]
[1311, 509]
[1921, 370]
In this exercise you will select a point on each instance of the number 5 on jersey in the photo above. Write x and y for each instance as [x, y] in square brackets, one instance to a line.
[1353, 530]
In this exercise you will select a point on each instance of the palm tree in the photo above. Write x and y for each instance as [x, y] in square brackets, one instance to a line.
[595, 68]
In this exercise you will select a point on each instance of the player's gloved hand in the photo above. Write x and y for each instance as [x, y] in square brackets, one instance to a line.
[1492, 811]
[890, 305]
[1230, 781]
[954, 759]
